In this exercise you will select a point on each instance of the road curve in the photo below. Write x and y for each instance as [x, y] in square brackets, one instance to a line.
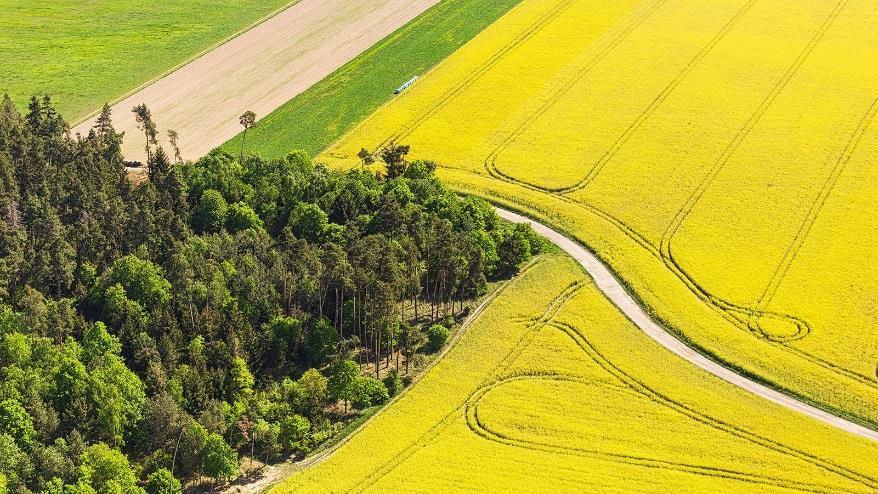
[611, 287]
[259, 70]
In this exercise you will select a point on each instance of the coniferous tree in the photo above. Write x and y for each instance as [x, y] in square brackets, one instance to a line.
[173, 139]
[144, 120]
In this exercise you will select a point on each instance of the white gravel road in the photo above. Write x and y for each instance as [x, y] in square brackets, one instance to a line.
[613, 289]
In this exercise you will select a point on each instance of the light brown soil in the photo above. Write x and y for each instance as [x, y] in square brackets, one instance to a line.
[259, 70]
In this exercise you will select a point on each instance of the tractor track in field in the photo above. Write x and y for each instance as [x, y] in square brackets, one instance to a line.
[613, 289]
[749, 318]
[637, 388]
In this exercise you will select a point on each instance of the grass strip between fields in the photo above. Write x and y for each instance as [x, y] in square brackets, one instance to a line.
[326, 111]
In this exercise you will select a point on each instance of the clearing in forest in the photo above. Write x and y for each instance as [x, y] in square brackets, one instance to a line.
[720, 156]
[552, 389]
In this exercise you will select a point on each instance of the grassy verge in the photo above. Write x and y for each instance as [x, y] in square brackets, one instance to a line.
[323, 113]
[86, 53]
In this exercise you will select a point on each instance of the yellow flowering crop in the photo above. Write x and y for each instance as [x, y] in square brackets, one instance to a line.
[720, 156]
[552, 389]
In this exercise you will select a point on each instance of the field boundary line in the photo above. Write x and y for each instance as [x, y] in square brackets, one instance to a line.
[615, 291]
[189, 60]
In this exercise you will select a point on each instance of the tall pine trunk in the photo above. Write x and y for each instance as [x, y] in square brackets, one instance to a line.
[377, 351]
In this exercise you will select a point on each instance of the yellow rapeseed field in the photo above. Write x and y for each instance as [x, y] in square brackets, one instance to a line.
[552, 389]
[720, 156]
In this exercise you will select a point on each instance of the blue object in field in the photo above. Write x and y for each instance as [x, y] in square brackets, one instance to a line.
[406, 85]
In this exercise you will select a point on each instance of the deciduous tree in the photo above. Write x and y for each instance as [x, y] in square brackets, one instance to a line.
[107, 470]
[162, 481]
[343, 384]
[220, 460]
[248, 121]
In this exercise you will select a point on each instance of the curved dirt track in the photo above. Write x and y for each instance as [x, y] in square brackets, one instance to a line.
[616, 293]
[259, 70]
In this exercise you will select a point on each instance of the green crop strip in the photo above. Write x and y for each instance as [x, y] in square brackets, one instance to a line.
[323, 113]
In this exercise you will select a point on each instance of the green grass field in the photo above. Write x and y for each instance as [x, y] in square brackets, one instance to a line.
[84, 53]
[323, 113]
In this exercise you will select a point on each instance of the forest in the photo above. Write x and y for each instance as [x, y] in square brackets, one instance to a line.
[155, 331]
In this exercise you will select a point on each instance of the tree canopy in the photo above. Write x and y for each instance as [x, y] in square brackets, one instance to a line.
[219, 307]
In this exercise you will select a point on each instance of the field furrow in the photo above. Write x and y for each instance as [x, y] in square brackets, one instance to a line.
[697, 148]
[588, 401]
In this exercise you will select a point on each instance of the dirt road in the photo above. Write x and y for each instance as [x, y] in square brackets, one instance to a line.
[259, 70]
[612, 288]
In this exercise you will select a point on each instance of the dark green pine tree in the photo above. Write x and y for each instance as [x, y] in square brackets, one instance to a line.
[50, 257]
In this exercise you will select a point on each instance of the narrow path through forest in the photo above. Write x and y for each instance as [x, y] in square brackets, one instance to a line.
[607, 282]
